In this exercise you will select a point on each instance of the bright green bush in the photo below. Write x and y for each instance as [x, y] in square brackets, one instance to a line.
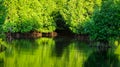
[43, 15]
[37, 15]
[78, 12]
[27, 16]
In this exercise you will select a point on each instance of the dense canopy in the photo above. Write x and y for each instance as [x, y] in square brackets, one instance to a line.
[98, 18]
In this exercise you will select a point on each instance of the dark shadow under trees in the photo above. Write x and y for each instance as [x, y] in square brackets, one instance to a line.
[61, 25]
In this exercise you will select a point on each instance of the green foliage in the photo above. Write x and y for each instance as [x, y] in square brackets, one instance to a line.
[98, 18]
[2, 14]
[106, 23]
[78, 12]
[46, 21]
[34, 15]
[17, 15]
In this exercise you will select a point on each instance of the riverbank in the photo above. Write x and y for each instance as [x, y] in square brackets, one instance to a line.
[35, 34]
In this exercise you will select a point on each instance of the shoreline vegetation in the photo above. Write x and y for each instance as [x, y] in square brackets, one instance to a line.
[95, 20]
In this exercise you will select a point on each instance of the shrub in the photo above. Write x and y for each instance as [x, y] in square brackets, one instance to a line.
[106, 23]
[34, 15]
[78, 12]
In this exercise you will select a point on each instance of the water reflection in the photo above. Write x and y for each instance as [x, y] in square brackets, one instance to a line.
[2, 48]
[1, 62]
[56, 52]
[104, 58]
[60, 45]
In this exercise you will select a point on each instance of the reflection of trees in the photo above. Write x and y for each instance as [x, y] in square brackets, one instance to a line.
[60, 45]
[81, 45]
[2, 59]
[25, 44]
[2, 45]
[29, 56]
[2, 48]
[102, 58]
[72, 53]
[19, 46]
[29, 45]
[1, 62]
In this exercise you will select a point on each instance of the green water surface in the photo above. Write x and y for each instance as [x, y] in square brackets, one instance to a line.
[56, 52]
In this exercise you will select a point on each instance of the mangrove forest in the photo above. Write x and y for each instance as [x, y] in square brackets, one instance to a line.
[59, 33]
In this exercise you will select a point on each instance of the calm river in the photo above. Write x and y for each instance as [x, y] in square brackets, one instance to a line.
[57, 52]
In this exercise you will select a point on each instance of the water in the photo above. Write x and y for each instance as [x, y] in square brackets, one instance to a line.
[57, 52]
